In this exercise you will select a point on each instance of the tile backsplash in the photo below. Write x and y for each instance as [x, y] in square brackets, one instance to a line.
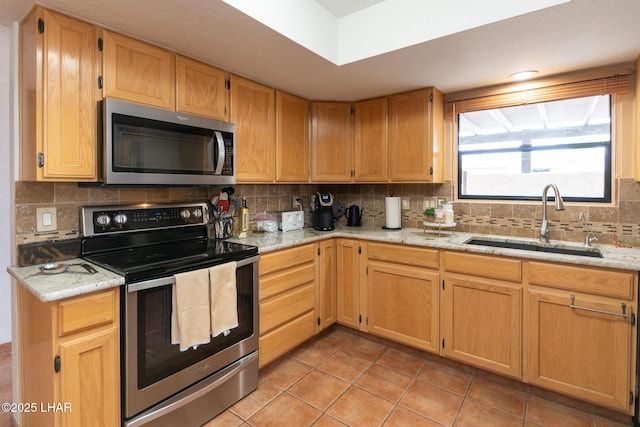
[610, 224]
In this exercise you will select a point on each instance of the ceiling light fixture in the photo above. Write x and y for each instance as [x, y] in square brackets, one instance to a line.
[523, 75]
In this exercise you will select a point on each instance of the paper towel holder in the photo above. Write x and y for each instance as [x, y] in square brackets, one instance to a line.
[384, 227]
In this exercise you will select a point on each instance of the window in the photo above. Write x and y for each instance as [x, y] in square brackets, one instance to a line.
[513, 152]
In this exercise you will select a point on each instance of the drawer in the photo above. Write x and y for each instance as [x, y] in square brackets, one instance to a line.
[484, 266]
[611, 283]
[408, 255]
[286, 338]
[279, 260]
[285, 307]
[87, 311]
[283, 281]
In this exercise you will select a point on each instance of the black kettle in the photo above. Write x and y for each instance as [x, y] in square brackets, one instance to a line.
[354, 216]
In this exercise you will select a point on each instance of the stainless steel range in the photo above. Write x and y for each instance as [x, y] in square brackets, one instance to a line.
[149, 245]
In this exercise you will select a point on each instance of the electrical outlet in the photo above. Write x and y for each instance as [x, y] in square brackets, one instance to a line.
[295, 204]
[46, 219]
[406, 204]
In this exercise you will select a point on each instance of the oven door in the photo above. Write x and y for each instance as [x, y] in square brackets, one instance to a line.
[153, 368]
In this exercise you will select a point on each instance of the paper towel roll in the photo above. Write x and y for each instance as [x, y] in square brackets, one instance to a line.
[392, 212]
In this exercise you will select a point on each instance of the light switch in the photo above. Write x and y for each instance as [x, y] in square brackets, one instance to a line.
[46, 219]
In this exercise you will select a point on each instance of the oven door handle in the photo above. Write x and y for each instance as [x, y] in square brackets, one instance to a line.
[170, 280]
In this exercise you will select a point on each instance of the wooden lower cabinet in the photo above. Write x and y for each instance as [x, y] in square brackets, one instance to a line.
[348, 252]
[482, 323]
[288, 280]
[327, 304]
[507, 315]
[70, 357]
[402, 304]
[586, 351]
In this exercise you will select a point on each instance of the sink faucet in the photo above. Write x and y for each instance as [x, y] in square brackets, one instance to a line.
[587, 239]
[544, 227]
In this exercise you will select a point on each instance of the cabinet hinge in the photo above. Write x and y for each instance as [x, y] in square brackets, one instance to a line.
[40, 26]
[40, 160]
[633, 319]
[318, 321]
[367, 321]
[367, 270]
[443, 284]
[431, 98]
[360, 318]
[56, 364]
[431, 170]
[442, 342]
[100, 83]
[227, 83]
[100, 44]
[630, 397]
[318, 251]
[359, 250]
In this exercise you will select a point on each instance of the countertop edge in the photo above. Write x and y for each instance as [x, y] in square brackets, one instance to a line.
[613, 257]
[55, 287]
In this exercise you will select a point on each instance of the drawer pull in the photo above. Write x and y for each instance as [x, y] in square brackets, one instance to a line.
[611, 313]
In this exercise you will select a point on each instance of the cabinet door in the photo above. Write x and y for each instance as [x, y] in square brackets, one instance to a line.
[201, 89]
[578, 352]
[292, 138]
[403, 304]
[327, 304]
[370, 142]
[138, 72]
[90, 379]
[411, 136]
[58, 99]
[253, 112]
[348, 274]
[331, 142]
[482, 323]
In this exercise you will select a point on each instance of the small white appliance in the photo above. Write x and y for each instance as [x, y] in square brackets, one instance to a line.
[293, 220]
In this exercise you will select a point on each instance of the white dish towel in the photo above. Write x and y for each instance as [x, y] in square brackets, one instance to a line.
[224, 298]
[190, 324]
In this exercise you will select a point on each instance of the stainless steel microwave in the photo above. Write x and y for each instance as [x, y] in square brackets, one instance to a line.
[149, 146]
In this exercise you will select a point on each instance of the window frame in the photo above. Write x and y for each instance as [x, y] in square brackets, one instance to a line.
[611, 80]
[608, 165]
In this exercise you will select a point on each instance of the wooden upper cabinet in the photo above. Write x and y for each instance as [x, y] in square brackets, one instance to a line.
[138, 72]
[201, 89]
[370, 145]
[331, 142]
[416, 130]
[253, 112]
[292, 138]
[58, 98]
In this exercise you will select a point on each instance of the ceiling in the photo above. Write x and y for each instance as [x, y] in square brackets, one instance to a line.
[574, 35]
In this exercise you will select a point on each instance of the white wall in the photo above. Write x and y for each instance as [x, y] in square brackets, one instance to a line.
[6, 181]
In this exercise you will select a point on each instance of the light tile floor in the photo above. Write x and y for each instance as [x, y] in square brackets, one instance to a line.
[343, 378]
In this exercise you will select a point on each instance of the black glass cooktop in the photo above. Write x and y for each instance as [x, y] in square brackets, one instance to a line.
[161, 258]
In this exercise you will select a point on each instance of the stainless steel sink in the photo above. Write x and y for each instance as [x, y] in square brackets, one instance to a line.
[534, 246]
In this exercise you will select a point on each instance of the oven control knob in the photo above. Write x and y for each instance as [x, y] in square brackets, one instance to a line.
[197, 213]
[185, 214]
[120, 218]
[103, 220]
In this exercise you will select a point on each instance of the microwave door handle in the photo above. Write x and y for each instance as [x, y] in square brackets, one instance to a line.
[217, 166]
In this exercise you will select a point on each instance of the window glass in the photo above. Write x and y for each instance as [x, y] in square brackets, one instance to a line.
[514, 152]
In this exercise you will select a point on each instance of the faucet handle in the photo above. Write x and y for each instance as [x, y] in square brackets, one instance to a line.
[590, 239]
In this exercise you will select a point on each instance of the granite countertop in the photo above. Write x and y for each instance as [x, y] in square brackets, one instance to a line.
[77, 281]
[613, 257]
[71, 283]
